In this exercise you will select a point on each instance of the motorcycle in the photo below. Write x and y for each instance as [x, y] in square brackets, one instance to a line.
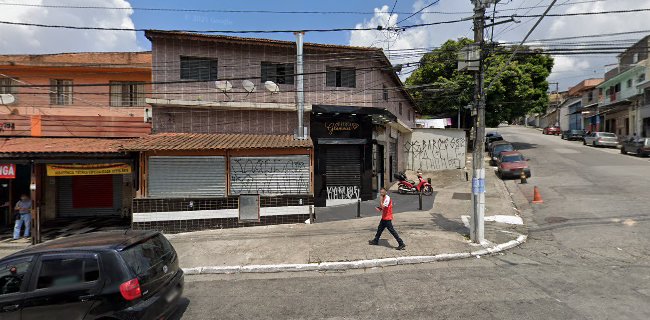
[406, 186]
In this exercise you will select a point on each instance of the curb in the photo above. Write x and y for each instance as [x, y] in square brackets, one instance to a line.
[349, 265]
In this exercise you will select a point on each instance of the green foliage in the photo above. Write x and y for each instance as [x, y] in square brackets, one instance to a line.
[521, 88]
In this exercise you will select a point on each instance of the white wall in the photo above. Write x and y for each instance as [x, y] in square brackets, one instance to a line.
[435, 149]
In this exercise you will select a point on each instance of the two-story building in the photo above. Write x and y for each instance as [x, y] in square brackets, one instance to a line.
[224, 120]
[623, 107]
[63, 118]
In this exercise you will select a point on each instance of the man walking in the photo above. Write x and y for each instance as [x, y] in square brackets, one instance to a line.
[24, 208]
[386, 208]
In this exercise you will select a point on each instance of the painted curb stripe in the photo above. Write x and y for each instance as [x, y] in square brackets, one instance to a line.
[348, 265]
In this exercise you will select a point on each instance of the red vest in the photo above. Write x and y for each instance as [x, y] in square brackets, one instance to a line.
[387, 213]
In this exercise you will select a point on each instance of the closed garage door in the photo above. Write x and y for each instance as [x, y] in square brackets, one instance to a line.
[343, 172]
[89, 195]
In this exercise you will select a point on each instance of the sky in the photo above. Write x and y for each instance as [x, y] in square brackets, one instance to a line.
[568, 70]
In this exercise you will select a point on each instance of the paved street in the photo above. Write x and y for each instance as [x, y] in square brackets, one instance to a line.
[586, 258]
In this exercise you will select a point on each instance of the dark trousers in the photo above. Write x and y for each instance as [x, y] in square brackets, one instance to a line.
[387, 224]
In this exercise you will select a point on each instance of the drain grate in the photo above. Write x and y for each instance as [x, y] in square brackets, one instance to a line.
[462, 196]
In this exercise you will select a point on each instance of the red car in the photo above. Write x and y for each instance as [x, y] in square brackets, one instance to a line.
[554, 130]
[510, 164]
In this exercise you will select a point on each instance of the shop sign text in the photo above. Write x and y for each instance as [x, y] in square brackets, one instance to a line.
[7, 171]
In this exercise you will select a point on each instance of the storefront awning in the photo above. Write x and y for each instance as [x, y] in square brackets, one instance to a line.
[49, 147]
[207, 141]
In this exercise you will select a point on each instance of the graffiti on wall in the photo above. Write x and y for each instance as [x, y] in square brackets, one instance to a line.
[269, 175]
[435, 152]
[343, 192]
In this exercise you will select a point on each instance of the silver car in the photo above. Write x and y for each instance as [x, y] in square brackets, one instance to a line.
[601, 139]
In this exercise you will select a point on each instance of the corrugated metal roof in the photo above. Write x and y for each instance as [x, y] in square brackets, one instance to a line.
[59, 145]
[204, 141]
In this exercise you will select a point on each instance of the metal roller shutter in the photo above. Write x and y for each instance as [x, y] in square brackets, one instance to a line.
[93, 195]
[343, 165]
[269, 175]
[187, 176]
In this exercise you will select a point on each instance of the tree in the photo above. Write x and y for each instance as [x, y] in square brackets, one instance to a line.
[440, 88]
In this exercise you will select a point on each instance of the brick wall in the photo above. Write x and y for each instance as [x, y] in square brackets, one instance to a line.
[198, 120]
[243, 61]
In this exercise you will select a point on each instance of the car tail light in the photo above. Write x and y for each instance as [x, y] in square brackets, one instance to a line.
[130, 290]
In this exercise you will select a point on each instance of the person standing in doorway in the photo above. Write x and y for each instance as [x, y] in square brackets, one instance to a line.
[24, 216]
[386, 208]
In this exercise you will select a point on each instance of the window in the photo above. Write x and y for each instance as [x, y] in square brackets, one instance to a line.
[384, 92]
[641, 78]
[590, 96]
[6, 86]
[341, 77]
[142, 257]
[127, 94]
[400, 108]
[629, 83]
[280, 73]
[617, 87]
[64, 271]
[60, 91]
[12, 273]
[635, 58]
[193, 68]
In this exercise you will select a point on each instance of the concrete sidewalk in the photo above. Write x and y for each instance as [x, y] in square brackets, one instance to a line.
[426, 233]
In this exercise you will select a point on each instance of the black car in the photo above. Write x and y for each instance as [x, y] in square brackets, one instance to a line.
[104, 275]
[573, 135]
[491, 137]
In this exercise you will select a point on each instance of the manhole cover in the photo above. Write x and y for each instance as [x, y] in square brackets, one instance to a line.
[462, 196]
[556, 219]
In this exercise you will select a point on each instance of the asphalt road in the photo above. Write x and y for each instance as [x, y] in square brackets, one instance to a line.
[587, 257]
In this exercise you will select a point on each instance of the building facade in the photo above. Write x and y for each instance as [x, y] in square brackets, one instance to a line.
[63, 119]
[357, 116]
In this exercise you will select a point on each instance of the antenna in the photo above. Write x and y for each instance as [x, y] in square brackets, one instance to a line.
[272, 87]
[249, 86]
[224, 86]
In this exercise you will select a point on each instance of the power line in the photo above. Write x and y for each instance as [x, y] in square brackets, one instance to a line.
[414, 13]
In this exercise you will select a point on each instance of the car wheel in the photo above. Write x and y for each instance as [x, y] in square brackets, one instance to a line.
[593, 144]
[584, 142]
[623, 151]
[428, 190]
[639, 153]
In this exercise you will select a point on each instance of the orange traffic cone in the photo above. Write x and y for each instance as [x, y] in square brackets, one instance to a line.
[537, 197]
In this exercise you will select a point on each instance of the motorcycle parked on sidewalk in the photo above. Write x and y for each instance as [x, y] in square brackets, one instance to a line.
[406, 186]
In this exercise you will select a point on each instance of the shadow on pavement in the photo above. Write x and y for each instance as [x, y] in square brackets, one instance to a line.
[401, 203]
[183, 303]
[450, 225]
[523, 145]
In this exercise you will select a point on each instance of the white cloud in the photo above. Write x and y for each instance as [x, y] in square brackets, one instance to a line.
[568, 70]
[24, 39]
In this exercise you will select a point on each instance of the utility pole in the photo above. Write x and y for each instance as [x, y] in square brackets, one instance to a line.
[477, 233]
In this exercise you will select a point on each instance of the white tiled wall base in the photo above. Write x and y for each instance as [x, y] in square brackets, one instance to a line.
[214, 214]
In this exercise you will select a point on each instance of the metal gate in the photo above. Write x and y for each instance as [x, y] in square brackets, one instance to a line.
[343, 172]
[269, 175]
[89, 195]
[187, 176]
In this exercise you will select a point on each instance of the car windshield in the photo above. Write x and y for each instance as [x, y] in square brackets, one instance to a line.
[503, 147]
[607, 135]
[512, 158]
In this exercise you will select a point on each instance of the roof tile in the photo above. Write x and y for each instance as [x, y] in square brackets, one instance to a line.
[205, 141]
[59, 145]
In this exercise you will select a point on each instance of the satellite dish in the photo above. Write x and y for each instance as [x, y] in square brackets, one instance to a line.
[7, 98]
[272, 87]
[248, 85]
[223, 86]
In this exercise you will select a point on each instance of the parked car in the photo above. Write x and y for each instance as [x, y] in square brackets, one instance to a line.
[640, 147]
[573, 135]
[103, 275]
[491, 137]
[555, 130]
[498, 147]
[601, 139]
[510, 165]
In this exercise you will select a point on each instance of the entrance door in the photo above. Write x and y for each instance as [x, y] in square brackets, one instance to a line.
[377, 167]
[343, 173]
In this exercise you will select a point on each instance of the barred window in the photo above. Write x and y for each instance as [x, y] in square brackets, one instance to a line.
[6, 86]
[60, 91]
[127, 94]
